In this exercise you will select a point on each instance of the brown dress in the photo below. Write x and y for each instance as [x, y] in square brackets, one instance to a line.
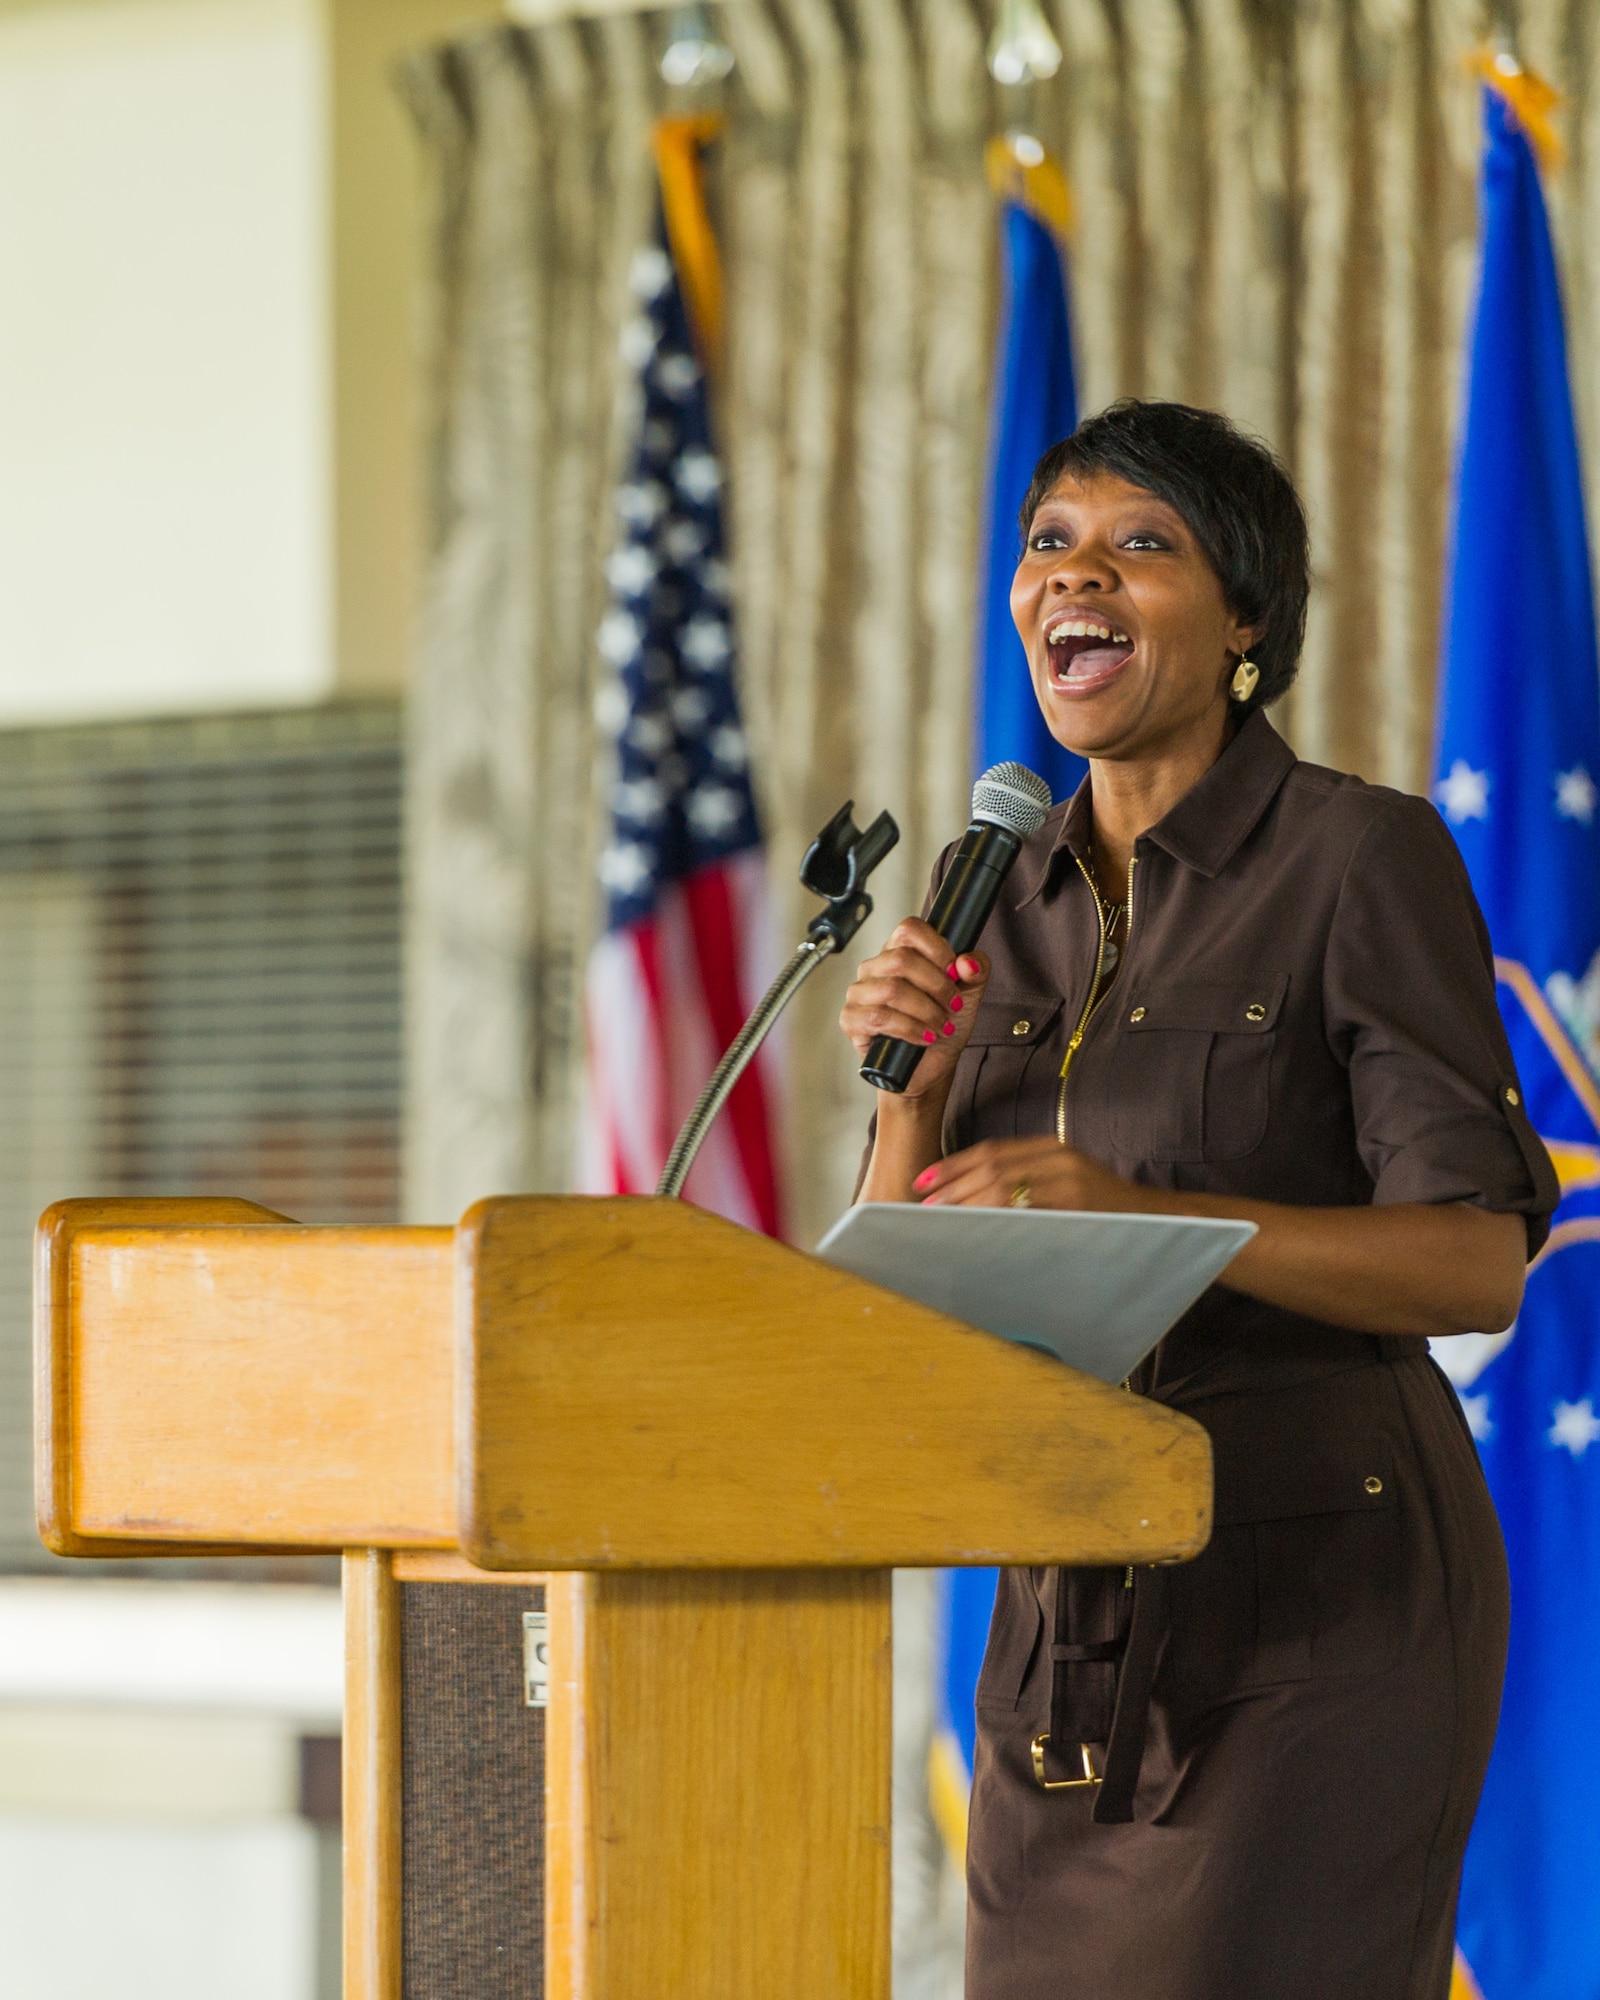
[1292, 1730]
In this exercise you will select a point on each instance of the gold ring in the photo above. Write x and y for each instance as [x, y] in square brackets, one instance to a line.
[1021, 1196]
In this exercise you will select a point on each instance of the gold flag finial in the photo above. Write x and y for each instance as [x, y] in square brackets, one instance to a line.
[1531, 99]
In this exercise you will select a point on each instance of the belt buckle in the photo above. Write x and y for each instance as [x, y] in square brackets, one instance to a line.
[1061, 1784]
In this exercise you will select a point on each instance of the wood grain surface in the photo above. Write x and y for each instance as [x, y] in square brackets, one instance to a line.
[372, 1778]
[569, 1915]
[260, 1385]
[53, 1356]
[446, 1566]
[704, 1397]
[717, 1787]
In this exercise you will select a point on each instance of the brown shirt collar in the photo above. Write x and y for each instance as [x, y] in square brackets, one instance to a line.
[1204, 830]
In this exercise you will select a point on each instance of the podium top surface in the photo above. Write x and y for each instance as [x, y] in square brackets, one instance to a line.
[563, 1383]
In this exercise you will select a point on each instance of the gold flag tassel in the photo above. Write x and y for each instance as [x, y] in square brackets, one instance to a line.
[1020, 170]
[679, 143]
[1531, 99]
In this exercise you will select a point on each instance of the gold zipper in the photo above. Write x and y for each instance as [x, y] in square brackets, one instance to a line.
[1094, 989]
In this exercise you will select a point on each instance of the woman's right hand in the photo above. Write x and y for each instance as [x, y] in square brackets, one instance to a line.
[907, 991]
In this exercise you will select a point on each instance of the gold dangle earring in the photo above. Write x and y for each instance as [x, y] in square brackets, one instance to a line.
[1245, 676]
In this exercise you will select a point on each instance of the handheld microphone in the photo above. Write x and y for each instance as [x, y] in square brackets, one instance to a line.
[1009, 803]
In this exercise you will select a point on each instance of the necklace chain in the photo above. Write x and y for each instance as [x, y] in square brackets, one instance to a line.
[1112, 913]
[1116, 909]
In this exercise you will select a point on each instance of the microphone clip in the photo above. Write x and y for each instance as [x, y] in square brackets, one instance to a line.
[837, 863]
[836, 866]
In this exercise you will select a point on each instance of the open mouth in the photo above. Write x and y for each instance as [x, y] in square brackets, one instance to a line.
[1085, 654]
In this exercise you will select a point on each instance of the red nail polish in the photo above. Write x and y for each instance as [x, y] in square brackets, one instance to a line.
[957, 1004]
[952, 972]
[922, 1180]
[949, 1028]
[928, 1035]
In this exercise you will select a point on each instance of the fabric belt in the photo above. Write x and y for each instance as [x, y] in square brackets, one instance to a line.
[1102, 1649]
[1135, 1656]
[1078, 1706]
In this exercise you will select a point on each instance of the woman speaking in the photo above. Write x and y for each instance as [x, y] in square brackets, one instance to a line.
[1223, 982]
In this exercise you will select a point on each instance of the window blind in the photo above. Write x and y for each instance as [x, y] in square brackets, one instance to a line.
[199, 986]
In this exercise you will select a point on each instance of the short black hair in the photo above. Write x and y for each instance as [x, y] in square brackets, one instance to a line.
[1237, 499]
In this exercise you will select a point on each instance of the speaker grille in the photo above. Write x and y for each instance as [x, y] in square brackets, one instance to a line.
[473, 1814]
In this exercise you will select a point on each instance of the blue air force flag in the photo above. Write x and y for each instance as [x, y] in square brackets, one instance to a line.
[1517, 776]
[1035, 405]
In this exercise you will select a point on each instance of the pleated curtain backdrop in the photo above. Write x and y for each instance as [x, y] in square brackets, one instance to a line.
[1275, 216]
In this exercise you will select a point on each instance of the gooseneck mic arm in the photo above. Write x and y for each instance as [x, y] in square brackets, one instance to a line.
[1009, 803]
[836, 866]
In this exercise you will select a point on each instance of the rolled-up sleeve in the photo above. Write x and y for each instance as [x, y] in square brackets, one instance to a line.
[1409, 1001]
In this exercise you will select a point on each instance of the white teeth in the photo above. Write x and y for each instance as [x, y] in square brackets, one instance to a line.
[1082, 628]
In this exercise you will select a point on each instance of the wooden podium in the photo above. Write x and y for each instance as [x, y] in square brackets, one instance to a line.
[711, 1450]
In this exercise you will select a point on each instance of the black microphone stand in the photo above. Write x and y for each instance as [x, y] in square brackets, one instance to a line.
[836, 866]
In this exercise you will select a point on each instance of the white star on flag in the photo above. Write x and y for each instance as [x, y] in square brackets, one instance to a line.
[677, 375]
[610, 707]
[1463, 793]
[684, 540]
[637, 342]
[618, 638]
[713, 808]
[705, 643]
[641, 503]
[630, 569]
[650, 272]
[1576, 1426]
[697, 475]
[650, 733]
[639, 799]
[624, 866]
[691, 707]
[1576, 796]
[729, 748]
[1476, 1411]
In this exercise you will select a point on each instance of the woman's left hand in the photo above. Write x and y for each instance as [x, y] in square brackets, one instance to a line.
[1052, 1176]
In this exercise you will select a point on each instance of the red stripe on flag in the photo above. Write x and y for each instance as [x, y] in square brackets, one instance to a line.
[717, 949]
[647, 943]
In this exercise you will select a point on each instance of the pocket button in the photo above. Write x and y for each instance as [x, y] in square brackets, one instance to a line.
[1373, 1484]
[1021, 1027]
[1255, 1012]
[1137, 1014]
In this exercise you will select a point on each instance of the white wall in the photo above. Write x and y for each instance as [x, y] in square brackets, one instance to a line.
[151, 1846]
[123, 1910]
[164, 427]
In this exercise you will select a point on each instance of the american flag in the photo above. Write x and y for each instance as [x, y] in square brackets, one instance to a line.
[682, 956]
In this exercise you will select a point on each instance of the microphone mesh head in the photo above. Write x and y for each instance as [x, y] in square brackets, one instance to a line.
[1011, 795]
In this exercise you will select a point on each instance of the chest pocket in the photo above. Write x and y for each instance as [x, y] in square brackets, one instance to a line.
[1007, 1044]
[1191, 1067]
